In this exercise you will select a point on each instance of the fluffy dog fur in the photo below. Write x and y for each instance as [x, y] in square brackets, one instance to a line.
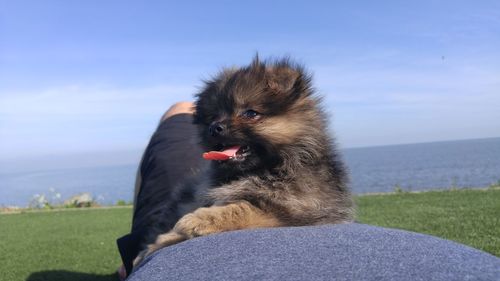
[289, 174]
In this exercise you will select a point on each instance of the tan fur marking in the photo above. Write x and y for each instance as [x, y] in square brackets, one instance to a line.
[162, 241]
[214, 219]
[281, 79]
[280, 129]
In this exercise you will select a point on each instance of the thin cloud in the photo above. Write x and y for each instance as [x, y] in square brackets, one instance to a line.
[82, 118]
[76, 100]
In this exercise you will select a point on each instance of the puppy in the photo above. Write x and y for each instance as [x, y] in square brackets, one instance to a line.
[273, 160]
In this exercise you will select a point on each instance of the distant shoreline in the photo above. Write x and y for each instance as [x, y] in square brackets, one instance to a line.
[19, 210]
[382, 169]
[493, 187]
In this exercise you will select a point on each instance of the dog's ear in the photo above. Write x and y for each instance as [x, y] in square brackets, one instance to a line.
[281, 79]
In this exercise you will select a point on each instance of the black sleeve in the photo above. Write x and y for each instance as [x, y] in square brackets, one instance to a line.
[172, 153]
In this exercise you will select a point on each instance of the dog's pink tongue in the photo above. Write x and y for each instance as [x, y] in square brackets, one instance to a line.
[221, 155]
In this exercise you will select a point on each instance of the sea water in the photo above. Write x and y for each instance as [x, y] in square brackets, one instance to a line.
[412, 167]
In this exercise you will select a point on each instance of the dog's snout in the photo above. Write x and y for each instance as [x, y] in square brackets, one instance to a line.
[216, 129]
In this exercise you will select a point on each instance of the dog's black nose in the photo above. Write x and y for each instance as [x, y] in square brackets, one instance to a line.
[216, 129]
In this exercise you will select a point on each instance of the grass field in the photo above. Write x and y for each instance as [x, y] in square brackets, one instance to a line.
[471, 217]
[79, 244]
[76, 244]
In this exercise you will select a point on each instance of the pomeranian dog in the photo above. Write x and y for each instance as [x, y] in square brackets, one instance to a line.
[274, 162]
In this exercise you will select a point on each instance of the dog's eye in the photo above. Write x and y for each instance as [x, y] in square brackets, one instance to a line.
[252, 114]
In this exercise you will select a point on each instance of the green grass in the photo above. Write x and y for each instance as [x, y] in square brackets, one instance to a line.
[77, 244]
[468, 216]
[80, 244]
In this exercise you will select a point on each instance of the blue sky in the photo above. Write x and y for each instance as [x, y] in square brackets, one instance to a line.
[83, 77]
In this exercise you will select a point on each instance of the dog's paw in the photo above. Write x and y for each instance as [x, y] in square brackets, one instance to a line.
[140, 257]
[199, 223]
[162, 241]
